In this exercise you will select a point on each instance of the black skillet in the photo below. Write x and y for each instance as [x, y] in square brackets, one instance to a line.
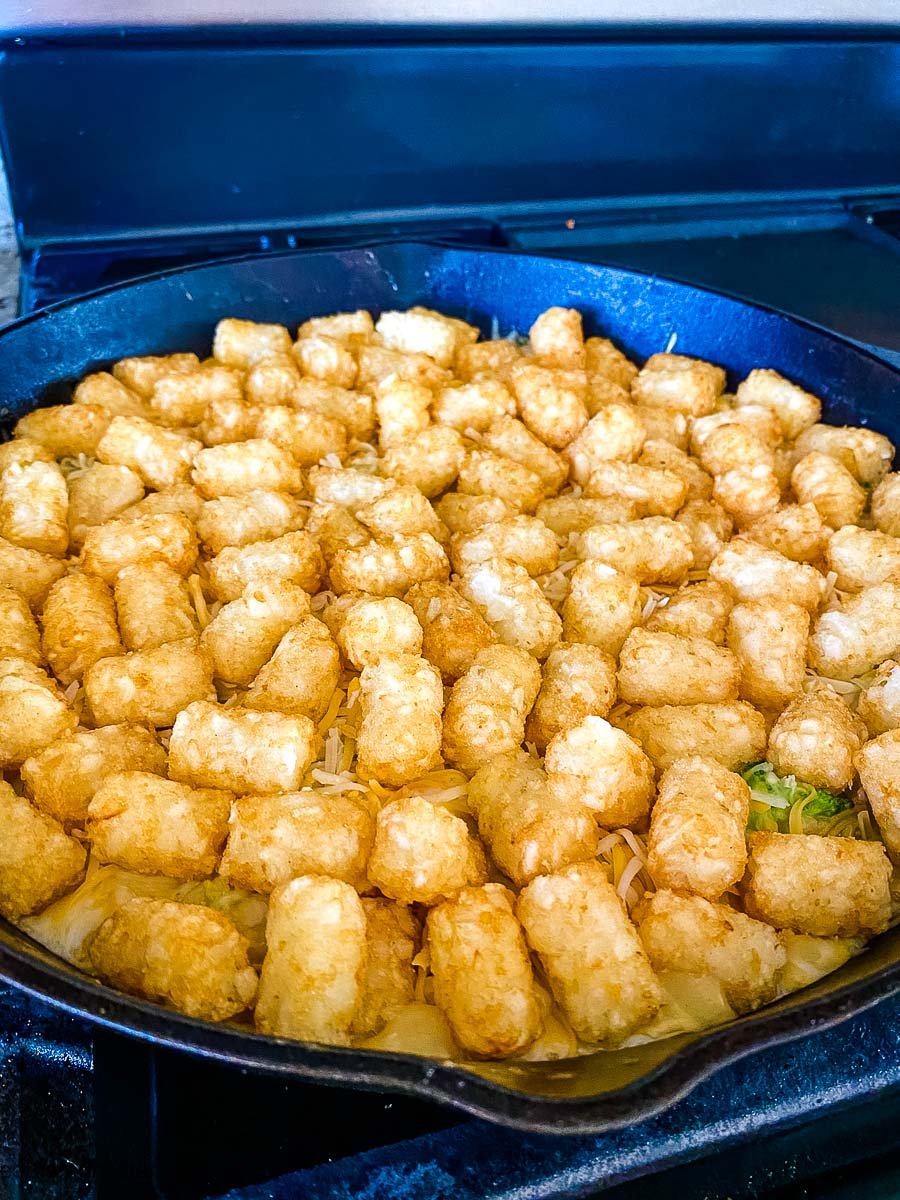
[43, 354]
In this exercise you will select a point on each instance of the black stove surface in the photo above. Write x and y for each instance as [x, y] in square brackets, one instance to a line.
[85, 1113]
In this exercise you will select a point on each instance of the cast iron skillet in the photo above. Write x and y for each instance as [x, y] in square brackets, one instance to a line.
[43, 354]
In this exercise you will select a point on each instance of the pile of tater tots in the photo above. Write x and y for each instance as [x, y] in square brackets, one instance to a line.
[386, 686]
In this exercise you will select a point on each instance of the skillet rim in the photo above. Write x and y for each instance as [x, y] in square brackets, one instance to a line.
[662, 1085]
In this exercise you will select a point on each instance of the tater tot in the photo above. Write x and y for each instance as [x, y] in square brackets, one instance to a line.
[33, 713]
[149, 686]
[29, 573]
[100, 494]
[688, 933]
[355, 410]
[495, 357]
[242, 343]
[826, 886]
[665, 425]
[379, 627]
[794, 530]
[187, 955]
[655, 492]
[402, 409]
[103, 390]
[601, 767]
[402, 512]
[140, 374]
[474, 405]
[244, 632]
[551, 402]
[302, 674]
[886, 505]
[453, 630]
[602, 357]
[256, 516]
[227, 420]
[557, 339]
[274, 838]
[748, 492]
[708, 526]
[392, 941]
[488, 706]
[378, 362]
[485, 473]
[616, 433]
[34, 507]
[769, 641]
[815, 738]
[662, 456]
[164, 537]
[62, 779]
[574, 514]
[19, 634]
[795, 408]
[389, 567]
[665, 668]
[349, 327]
[696, 841]
[696, 610]
[292, 558]
[144, 823]
[352, 489]
[182, 397]
[22, 450]
[602, 606]
[401, 699]
[651, 550]
[513, 605]
[38, 860]
[326, 358]
[879, 703]
[752, 572]
[730, 445]
[761, 421]
[862, 633]
[335, 528]
[590, 952]
[153, 606]
[161, 457]
[466, 514]
[878, 764]
[863, 557]
[180, 500]
[673, 381]
[240, 750]
[578, 681]
[272, 380]
[79, 622]
[233, 470]
[419, 333]
[422, 853]
[733, 734]
[528, 830]
[312, 976]
[66, 429]
[825, 483]
[866, 454]
[510, 437]
[520, 539]
[306, 436]
[483, 981]
[430, 461]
